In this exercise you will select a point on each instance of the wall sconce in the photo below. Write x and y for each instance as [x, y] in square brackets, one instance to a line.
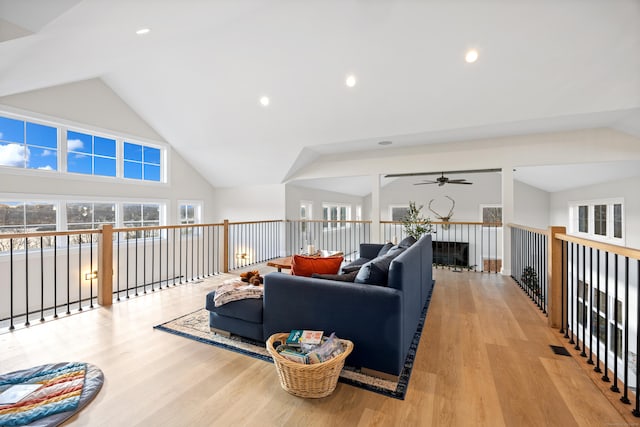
[91, 275]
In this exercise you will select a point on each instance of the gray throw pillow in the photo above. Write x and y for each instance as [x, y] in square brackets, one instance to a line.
[407, 241]
[376, 271]
[385, 249]
[348, 277]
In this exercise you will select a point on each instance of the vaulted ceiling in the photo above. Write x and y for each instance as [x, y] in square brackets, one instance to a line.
[198, 75]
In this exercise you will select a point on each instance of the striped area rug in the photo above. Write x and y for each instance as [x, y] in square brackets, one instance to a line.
[62, 393]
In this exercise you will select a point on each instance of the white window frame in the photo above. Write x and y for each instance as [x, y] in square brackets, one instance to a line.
[63, 126]
[330, 224]
[197, 210]
[590, 234]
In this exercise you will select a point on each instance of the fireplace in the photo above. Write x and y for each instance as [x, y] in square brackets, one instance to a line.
[451, 253]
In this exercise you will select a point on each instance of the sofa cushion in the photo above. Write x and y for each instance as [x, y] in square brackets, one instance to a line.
[385, 249]
[396, 250]
[302, 265]
[376, 271]
[249, 310]
[346, 277]
[407, 241]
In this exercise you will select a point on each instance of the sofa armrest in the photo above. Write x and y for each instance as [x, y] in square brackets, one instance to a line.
[370, 316]
[370, 250]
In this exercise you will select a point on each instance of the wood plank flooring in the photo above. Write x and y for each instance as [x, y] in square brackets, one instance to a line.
[483, 360]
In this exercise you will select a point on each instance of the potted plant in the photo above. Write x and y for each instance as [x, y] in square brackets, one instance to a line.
[414, 224]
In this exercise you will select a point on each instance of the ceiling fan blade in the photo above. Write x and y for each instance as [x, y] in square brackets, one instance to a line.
[457, 180]
[423, 183]
[466, 183]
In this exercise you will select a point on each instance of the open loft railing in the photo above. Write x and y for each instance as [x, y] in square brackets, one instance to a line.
[474, 246]
[590, 291]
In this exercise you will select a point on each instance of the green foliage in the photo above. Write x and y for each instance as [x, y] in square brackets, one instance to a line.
[414, 223]
[529, 279]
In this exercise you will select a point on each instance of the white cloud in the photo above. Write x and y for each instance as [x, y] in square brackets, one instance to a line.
[45, 168]
[46, 153]
[74, 144]
[13, 155]
[1, 135]
[79, 156]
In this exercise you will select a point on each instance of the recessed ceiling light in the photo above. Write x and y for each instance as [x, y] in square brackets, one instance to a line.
[143, 31]
[471, 56]
[385, 143]
[351, 80]
[264, 101]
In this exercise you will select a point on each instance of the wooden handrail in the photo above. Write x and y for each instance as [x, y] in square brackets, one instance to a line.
[330, 220]
[531, 229]
[608, 247]
[268, 221]
[163, 227]
[48, 234]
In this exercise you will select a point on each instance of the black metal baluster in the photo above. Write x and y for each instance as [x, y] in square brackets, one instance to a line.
[153, 258]
[193, 238]
[160, 258]
[563, 258]
[41, 279]
[572, 301]
[55, 277]
[80, 272]
[68, 275]
[118, 266]
[144, 261]
[11, 326]
[135, 272]
[636, 411]
[597, 368]
[614, 387]
[605, 377]
[180, 258]
[625, 397]
[590, 287]
[127, 264]
[26, 281]
[584, 298]
[91, 270]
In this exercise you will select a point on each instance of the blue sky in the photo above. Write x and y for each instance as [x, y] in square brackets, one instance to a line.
[40, 151]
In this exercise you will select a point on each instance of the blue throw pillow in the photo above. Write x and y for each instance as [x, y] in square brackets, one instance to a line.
[376, 271]
[407, 241]
[385, 249]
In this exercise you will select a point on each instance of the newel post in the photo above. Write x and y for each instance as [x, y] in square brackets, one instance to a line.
[556, 296]
[105, 265]
[225, 246]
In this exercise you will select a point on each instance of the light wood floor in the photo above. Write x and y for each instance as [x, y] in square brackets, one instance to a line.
[484, 359]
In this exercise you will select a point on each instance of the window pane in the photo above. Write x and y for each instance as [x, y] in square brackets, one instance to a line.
[42, 136]
[492, 215]
[11, 213]
[12, 155]
[617, 221]
[152, 155]
[104, 147]
[132, 212]
[104, 166]
[78, 213]
[151, 212]
[151, 173]
[42, 158]
[79, 163]
[583, 219]
[132, 151]
[104, 212]
[191, 214]
[132, 170]
[79, 142]
[398, 214]
[600, 219]
[183, 212]
[11, 130]
[334, 213]
[40, 213]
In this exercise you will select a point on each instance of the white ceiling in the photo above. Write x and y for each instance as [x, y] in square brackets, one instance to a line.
[196, 78]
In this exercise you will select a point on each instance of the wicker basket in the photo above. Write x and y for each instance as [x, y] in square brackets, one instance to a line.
[318, 380]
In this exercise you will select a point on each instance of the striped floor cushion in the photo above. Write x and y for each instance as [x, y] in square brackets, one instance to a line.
[66, 388]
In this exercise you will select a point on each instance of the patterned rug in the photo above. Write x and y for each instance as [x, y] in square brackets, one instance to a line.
[64, 389]
[196, 327]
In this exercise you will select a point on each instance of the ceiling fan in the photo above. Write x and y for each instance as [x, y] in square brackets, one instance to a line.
[442, 180]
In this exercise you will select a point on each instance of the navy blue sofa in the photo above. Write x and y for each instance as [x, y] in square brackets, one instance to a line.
[381, 321]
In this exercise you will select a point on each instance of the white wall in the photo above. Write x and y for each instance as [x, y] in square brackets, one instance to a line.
[255, 203]
[626, 189]
[531, 206]
[92, 105]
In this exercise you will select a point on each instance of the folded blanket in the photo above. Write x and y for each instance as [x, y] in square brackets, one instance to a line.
[234, 290]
